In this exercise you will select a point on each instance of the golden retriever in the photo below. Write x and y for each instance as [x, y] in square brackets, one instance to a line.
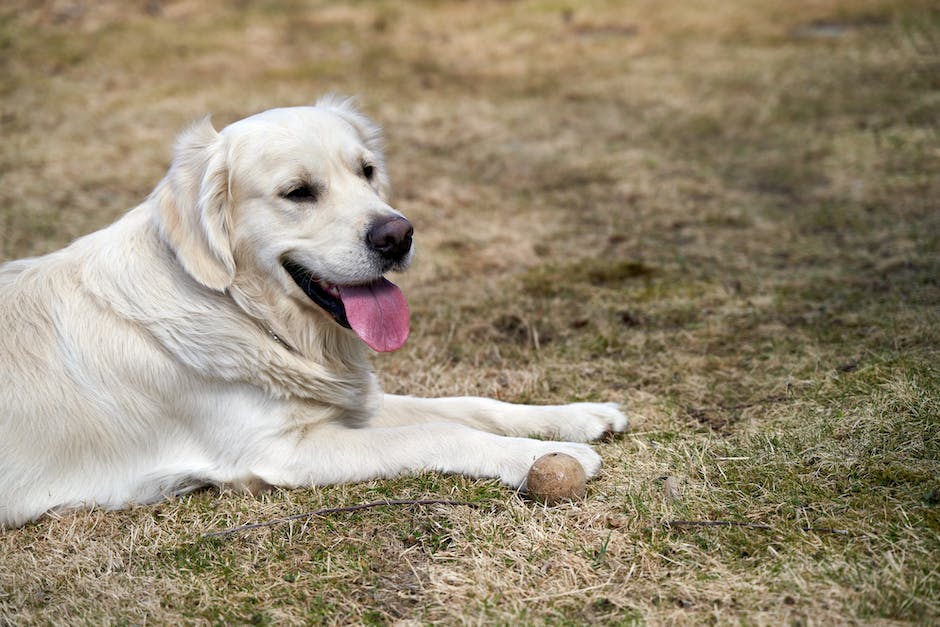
[218, 333]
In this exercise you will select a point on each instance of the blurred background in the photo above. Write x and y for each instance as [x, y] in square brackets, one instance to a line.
[619, 164]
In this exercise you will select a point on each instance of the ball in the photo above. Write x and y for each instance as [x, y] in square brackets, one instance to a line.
[555, 478]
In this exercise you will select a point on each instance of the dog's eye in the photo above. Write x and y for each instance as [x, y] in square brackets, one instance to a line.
[301, 193]
[368, 171]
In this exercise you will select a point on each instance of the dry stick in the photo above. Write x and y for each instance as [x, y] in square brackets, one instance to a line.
[332, 510]
[714, 523]
[841, 532]
[732, 523]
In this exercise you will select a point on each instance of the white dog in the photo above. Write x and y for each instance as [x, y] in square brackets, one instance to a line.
[217, 333]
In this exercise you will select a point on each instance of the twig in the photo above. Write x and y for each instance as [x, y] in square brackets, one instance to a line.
[714, 523]
[732, 523]
[332, 510]
[841, 532]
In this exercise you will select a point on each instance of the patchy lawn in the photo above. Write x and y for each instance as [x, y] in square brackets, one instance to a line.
[723, 214]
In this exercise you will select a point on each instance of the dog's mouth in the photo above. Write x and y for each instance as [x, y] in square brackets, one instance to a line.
[377, 312]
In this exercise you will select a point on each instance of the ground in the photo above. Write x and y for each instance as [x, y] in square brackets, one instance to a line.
[723, 215]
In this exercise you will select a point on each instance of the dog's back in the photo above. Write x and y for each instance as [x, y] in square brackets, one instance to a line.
[65, 364]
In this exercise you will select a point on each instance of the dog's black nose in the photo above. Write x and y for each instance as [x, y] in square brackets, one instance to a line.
[390, 237]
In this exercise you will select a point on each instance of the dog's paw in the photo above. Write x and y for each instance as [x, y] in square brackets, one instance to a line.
[515, 471]
[588, 457]
[584, 422]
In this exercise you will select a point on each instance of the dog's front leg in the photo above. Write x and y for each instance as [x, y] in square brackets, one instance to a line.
[576, 422]
[335, 454]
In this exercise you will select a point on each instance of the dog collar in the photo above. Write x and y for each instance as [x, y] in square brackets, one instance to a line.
[274, 336]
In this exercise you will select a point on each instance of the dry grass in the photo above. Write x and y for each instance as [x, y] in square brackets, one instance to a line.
[723, 214]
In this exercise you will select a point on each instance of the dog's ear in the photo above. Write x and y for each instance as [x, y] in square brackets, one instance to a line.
[369, 132]
[193, 206]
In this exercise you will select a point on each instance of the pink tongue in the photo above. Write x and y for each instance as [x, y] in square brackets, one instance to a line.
[378, 313]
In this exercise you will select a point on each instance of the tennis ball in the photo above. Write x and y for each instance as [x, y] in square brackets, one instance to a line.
[555, 478]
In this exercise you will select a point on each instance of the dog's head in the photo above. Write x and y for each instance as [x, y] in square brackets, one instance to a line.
[297, 195]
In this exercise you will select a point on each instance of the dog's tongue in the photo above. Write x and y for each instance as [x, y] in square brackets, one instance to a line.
[378, 313]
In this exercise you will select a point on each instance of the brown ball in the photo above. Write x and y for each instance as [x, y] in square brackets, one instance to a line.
[556, 477]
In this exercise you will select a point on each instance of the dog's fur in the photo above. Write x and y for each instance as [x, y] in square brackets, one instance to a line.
[172, 349]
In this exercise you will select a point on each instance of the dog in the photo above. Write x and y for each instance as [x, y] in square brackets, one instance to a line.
[219, 334]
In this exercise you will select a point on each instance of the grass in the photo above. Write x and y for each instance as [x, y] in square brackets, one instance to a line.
[723, 215]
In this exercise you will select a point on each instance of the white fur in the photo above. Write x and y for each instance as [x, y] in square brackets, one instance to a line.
[171, 349]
